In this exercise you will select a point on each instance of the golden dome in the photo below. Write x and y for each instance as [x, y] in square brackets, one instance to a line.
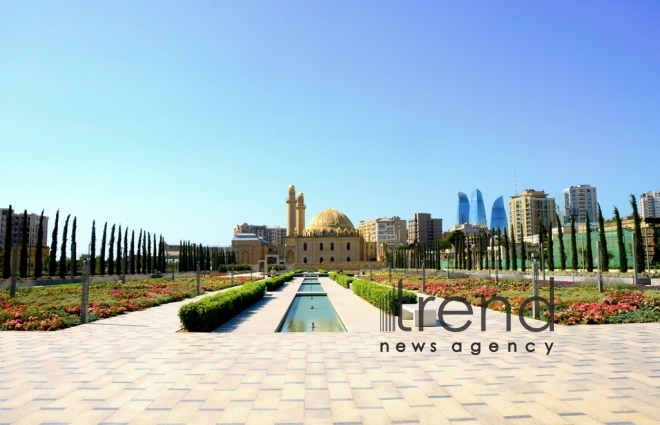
[330, 220]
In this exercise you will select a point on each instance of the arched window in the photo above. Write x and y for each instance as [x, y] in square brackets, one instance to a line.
[348, 258]
[332, 246]
[305, 260]
[305, 246]
[321, 247]
[321, 260]
[348, 246]
[332, 259]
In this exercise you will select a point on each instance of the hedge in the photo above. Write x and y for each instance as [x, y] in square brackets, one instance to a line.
[210, 312]
[342, 279]
[277, 281]
[375, 293]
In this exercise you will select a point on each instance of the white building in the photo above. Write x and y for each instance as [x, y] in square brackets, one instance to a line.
[274, 235]
[650, 204]
[580, 200]
[389, 230]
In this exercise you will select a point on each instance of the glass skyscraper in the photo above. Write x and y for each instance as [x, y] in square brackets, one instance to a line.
[477, 209]
[498, 215]
[463, 213]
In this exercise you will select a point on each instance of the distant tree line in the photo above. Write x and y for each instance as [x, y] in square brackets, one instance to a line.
[209, 258]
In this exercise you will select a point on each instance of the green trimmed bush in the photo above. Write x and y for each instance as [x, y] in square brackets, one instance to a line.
[277, 281]
[374, 294]
[210, 312]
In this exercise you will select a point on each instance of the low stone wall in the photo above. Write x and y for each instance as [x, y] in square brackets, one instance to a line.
[341, 265]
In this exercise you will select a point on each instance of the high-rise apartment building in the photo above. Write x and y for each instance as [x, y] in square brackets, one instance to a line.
[17, 223]
[649, 204]
[526, 209]
[424, 229]
[580, 200]
[273, 235]
[389, 230]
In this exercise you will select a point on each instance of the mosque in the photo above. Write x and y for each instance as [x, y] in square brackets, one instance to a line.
[329, 241]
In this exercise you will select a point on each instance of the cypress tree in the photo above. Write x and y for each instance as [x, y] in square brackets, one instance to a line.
[623, 256]
[562, 250]
[639, 249]
[590, 254]
[499, 249]
[507, 257]
[6, 266]
[574, 253]
[144, 252]
[111, 247]
[52, 261]
[118, 254]
[523, 251]
[126, 265]
[139, 253]
[132, 251]
[74, 257]
[551, 247]
[604, 260]
[92, 258]
[102, 268]
[180, 254]
[514, 254]
[22, 268]
[62, 268]
[469, 254]
[38, 255]
[162, 253]
[149, 253]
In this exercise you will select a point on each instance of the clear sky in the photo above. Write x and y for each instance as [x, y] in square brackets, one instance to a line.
[186, 118]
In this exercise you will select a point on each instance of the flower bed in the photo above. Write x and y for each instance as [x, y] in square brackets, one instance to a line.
[57, 307]
[574, 303]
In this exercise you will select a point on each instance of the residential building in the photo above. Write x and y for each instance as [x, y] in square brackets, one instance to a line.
[384, 230]
[424, 229]
[649, 204]
[527, 209]
[17, 223]
[273, 235]
[580, 200]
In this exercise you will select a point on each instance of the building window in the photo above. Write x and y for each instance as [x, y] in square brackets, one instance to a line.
[348, 259]
[321, 260]
[305, 246]
[332, 259]
[321, 247]
[305, 260]
[348, 246]
[332, 246]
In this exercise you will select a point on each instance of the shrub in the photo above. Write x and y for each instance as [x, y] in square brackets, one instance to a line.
[323, 271]
[375, 294]
[277, 281]
[344, 280]
[298, 270]
[210, 312]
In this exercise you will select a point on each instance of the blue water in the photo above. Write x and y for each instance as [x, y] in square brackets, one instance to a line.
[301, 317]
[310, 286]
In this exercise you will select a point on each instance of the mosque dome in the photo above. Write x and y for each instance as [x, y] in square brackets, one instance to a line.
[330, 220]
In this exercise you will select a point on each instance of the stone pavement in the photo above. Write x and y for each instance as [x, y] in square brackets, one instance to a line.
[136, 368]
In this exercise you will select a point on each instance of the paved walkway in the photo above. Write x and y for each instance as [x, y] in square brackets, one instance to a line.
[137, 369]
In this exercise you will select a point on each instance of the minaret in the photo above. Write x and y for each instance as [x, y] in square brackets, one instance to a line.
[300, 210]
[291, 211]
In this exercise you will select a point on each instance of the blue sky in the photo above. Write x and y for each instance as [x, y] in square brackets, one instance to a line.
[187, 118]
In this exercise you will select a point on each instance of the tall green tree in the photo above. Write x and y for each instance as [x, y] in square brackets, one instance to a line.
[92, 254]
[604, 260]
[514, 254]
[102, 265]
[623, 256]
[507, 257]
[469, 253]
[144, 253]
[132, 251]
[139, 253]
[22, 268]
[180, 255]
[560, 237]
[590, 253]
[640, 258]
[62, 268]
[52, 265]
[523, 251]
[149, 269]
[111, 256]
[551, 247]
[6, 266]
[74, 249]
[126, 265]
[118, 254]
[574, 253]
[38, 255]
